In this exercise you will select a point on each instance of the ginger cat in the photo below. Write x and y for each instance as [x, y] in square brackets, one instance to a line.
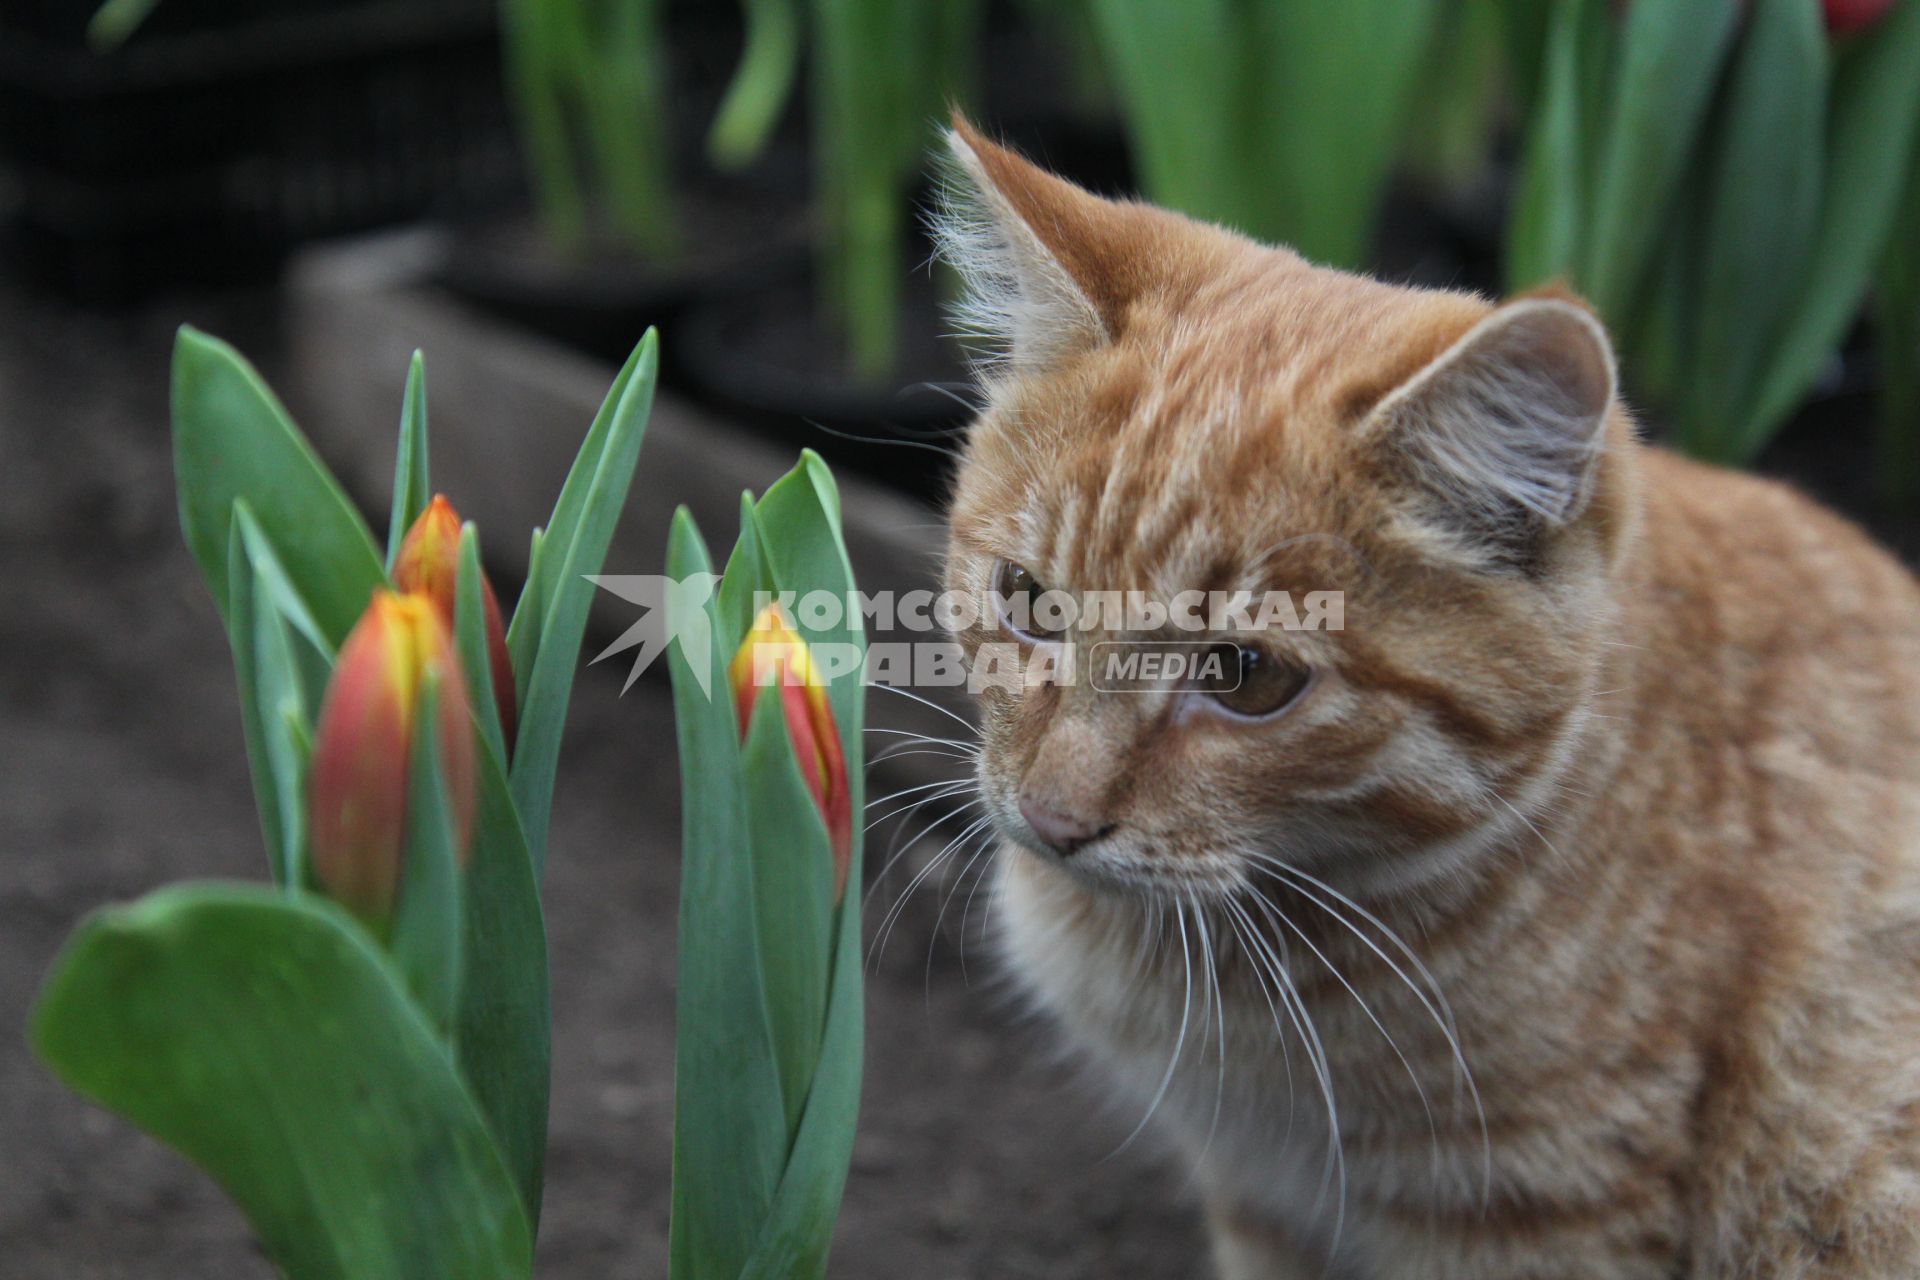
[1559, 916]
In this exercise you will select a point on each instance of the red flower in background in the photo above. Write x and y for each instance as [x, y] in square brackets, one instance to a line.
[1842, 16]
[1845, 16]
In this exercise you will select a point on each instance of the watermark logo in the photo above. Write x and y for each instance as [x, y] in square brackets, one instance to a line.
[676, 609]
[1184, 641]
[1148, 666]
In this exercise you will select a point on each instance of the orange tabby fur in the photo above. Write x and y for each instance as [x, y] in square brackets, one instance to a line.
[1623, 747]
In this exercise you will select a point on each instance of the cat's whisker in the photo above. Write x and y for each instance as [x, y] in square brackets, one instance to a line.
[925, 701]
[862, 438]
[962, 784]
[900, 750]
[1406, 1064]
[1436, 1009]
[936, 793]
[894, 913]
[1538, 834]
[1241, 924]
[899, 850]
[972, 744]
[939, 919]
[1210, 966]
[913, 737]
[1180, 1037]
[958, 393]
[966, 911]
[1306, 884]
[1334, 1169]
[960, 750]
[877, 951]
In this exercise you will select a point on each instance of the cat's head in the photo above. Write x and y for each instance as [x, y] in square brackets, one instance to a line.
[1174, 408]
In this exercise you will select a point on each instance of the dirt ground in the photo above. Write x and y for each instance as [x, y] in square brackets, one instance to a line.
[979, 1153]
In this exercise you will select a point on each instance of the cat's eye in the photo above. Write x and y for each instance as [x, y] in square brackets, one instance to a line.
[1018, 599]
[1250, 681]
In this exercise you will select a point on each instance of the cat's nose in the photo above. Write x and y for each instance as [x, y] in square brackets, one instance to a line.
[1064, 832]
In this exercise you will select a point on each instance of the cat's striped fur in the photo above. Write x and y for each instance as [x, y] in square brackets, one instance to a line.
[1583, 885]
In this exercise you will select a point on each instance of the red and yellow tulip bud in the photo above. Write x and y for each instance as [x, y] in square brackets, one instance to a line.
[363, 748]
[774, 656]
[429, 562]
[1844, 16]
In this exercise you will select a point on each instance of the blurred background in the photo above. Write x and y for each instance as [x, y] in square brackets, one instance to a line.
[520, 188]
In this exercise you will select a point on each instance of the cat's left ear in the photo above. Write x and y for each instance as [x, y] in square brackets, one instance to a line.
[1049, 270]
[1502, 434]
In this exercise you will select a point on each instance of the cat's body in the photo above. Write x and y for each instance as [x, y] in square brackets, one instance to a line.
[1624, 751]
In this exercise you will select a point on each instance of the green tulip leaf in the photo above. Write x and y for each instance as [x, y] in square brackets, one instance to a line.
[278, 819]
[1280, 120]
[730, 1135]
[554, 541]
[523, 632]
[282, 675]
[268, 1040]
[233, 440]
[428, 919]
[1668, 69]
[1330, 94]
[799, 1230]
[1871, 126]
[1658, 344]
[284, 717]
[745, 577]
[1525, 32]
[1762, 207]
[470, 639]
[412, 486]
[317, 649]
[796, 525]
[761, 1151]
[793, 897]
[1543, 234]
[574, 548]
[1186, 128]
[504, 1028]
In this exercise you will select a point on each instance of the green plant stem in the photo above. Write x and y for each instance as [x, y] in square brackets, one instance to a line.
[528, 40]
[1459, 89]
[881, 70]
[627, 128]
[586, 83]
[760, 87]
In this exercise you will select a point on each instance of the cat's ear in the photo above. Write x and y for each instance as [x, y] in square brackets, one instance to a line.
[1048, 268]
[1501, 435]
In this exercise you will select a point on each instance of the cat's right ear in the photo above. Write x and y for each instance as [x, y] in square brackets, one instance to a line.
[1045, 265]
[1501, 436]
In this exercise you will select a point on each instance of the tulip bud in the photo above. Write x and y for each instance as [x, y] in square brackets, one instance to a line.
[774, 655]
[429, 562]
[1844, 16]
[363, 747]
